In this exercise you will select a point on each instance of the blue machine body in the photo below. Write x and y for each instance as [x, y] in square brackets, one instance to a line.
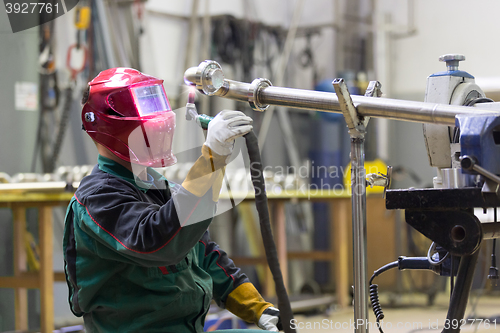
[453, 73]
[480, 138]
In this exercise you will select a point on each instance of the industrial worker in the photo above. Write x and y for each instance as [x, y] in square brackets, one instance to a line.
[138, 256]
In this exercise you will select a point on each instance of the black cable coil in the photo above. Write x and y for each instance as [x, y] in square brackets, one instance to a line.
[377, 308]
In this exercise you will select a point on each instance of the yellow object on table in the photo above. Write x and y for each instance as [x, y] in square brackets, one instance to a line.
[375, 166]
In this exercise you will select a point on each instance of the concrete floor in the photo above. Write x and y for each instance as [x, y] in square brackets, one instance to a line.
[411, 316]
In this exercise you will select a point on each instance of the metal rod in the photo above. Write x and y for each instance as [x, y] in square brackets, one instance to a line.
[491, 230]
[460, 295]
[37, 187]
[106, 37]
[357, 130]
[367, 106]
[486, 173]
[280, 75]
[358, 188]
[192, 31]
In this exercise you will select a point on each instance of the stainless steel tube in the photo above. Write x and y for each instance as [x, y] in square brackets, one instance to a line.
[234, 90]
[367, 106]
[359, 239]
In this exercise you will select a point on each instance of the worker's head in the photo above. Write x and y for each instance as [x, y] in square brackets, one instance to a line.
[128, 112]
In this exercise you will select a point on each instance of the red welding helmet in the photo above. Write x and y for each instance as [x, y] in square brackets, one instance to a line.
[128, 112]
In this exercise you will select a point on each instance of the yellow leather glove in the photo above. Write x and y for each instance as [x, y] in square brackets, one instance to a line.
[207, 172]
[246, 303]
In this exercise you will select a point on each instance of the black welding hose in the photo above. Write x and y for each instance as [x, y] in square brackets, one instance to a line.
[256, 172]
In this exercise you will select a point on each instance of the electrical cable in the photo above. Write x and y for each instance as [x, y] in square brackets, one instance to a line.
[261, 204]
[306, 57]
[63, 122]
[234, 40]
[377, 308]
[46, 70]
[403, 263]
[493, 273]
[257, 176]
[432, 248]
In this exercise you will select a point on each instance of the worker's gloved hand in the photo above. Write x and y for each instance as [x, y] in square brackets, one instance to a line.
[270, 320]
[224, 129]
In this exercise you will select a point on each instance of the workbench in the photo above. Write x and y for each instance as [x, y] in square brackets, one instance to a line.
[46, 196]
[43, 196]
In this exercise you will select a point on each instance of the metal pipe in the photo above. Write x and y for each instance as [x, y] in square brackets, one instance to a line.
[234, 90]
[359, 238]
[328, 102]
[106, 37]
[367, 106]
[37, 187]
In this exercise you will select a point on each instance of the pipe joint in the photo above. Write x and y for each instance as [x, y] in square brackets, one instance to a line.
[208, 77]
[253, 94]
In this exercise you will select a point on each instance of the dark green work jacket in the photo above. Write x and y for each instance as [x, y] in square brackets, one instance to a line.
[138, 257]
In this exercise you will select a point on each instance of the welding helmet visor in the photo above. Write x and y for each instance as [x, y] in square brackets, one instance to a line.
[150, 143]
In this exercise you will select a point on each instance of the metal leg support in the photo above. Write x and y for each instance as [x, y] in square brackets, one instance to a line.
[460, 295]
[357, 125]
[359, 238]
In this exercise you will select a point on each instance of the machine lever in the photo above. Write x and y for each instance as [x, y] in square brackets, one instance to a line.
[469, 163]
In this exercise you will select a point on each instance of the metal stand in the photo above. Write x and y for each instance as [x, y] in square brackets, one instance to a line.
[359, 238]
[446, 217]
[357, 130]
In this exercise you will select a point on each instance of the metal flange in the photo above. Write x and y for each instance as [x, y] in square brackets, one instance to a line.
[207, 77]
[253, 94]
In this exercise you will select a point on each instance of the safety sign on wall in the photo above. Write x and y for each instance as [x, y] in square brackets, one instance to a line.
[26, 96]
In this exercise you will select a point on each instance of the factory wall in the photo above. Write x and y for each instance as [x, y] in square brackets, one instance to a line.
[18, 65]
[441, 27]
